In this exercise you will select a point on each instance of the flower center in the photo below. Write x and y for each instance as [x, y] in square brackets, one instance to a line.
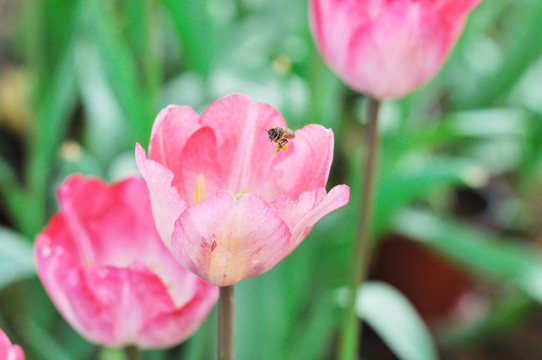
[239, 195]
[199, 189]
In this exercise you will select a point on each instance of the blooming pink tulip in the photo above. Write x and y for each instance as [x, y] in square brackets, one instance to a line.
[225, 205]
[8, 351]
[108, 273]
[387, 48]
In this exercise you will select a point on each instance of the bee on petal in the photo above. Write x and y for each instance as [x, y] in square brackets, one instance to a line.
[280, 137]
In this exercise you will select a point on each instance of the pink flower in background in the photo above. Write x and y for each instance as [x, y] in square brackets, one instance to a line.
[9, 351]
[223, 203]
[387, 48]
[108, 273]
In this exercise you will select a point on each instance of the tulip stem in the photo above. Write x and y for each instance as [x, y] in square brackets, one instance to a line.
[225, 323]
[351, 330]
[132, 352]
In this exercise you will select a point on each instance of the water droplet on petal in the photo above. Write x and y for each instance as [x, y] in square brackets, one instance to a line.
[46, 251]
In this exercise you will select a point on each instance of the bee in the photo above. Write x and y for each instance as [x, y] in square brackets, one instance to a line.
[280, 136]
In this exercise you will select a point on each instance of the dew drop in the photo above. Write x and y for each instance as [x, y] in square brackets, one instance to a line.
[46, 251]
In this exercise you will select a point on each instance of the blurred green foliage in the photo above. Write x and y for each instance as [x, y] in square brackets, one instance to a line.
[99, 71]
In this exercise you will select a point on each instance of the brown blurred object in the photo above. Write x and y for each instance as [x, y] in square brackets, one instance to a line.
[521, 343]
[14, 84]
[14, 99]
[433, 285]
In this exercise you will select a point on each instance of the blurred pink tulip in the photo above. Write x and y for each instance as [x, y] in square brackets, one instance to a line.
[387, 48]
[225, 205]
[103, 265]
[9, 351]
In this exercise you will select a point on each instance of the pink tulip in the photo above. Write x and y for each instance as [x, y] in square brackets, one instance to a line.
[108, 273]
[387, 48]
[9, 351]
[225, 205]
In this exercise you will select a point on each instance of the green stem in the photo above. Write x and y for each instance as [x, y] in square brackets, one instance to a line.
[132, 352]
[351, 334]
[225, 324]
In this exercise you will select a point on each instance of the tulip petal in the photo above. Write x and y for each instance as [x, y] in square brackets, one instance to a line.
[308, 165]
[109, 305]
[453, 9]
[397, 30]
[98, 213]
[333, 21]
[303, 213]
[171, 327]
[121, 306]
[200, 157]
[107, 272]
[244, 151]
[57, 269]
[387, 48]
[225, 240]
[170, 131]
[17, 353]
[9, 351]
[166, 202]
[137, 303]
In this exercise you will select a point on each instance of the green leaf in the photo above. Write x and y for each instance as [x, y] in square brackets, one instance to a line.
[11, 192]
[112, 354]
[42, 342]
[195, 29]
[480, 252]
[144, 35]
[7, 175]
[325, 95]
[122, 70]
[502, 315]
[415, 178]
[56, 103]
[255, 340]
[16, 261]
[311, 339]
[396, 321]
[522, 28]
[202, 345]
[105, 128]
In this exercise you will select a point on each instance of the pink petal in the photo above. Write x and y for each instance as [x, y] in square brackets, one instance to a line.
[244, 151]
[332, 23]
[302, 214]
[9, 351]
[452, 9]
[17, 353]
[200, 157]
[56, 265]
[112, 297]
[398, 48]
[170, 131]
[97, 213]
[106, 304]
[307, 167]
[387, 48]
[166, 202]
[172, 327]
[90, 298]
[120, 306]
[225, 240]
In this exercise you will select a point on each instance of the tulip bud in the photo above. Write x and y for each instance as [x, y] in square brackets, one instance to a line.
[389, 48]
